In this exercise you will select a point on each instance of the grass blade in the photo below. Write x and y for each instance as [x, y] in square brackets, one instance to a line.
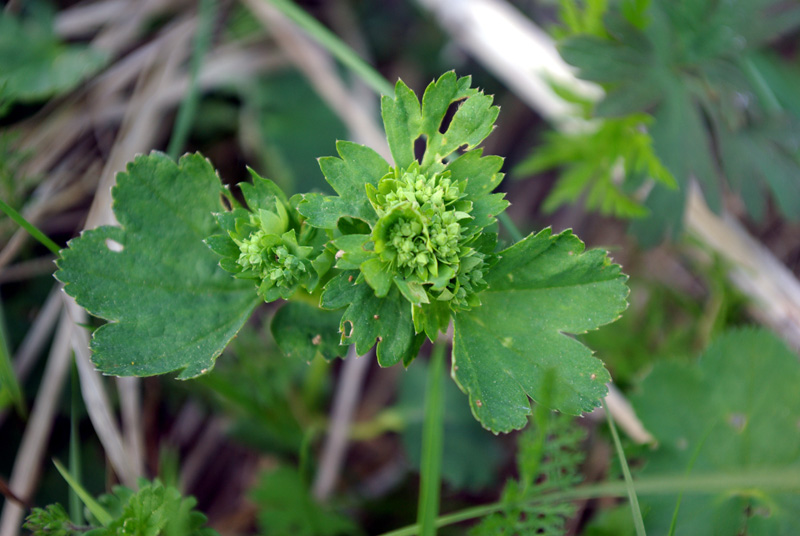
[75, 510]
[10, 391]
[20, 220]
[510, 226]
[432, 444]
[188, 107]
[337, 48]
[638, 522]
[94, 507]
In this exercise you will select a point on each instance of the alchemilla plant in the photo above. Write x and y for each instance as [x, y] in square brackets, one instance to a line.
[401, 251]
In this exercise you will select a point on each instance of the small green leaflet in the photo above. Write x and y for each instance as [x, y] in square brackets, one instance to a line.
[594, 162]
[549, 458]
[369, 320]
[406, 121]
[542, 289]
[169, 304]
[735, 410]
[358, 166]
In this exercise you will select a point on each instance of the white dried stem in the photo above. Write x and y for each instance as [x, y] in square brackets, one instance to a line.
[96, 400]
[348, 389]
[773, 290]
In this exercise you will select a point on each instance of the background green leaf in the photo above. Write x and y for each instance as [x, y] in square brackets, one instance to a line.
[735, 410]
[700, 69]
[170, 305]
[286, 507]
[34, 64]
[542, 289]
[473, 456]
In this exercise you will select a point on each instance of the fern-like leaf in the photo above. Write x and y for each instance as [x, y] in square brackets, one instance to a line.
[548, 461]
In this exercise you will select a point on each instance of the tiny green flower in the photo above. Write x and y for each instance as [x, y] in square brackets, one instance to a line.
[262, 244]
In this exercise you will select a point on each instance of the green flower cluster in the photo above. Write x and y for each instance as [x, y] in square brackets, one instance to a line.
[273, 257]
[262, 244]
[420, 234]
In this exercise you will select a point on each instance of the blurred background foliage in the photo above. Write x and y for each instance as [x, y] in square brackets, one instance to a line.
[695, 92]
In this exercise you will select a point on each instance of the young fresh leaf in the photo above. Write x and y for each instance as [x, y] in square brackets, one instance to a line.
[605, 163]
[52, 520]
[734, 410]
[357, 167]
[286, 507]
[369, 320]
[170, 306]
[542, 289]
[44, 66]
[406, 121]
[269, 243]
[419, 251]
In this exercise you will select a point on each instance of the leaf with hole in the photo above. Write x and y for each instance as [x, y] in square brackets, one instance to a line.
[169, 304]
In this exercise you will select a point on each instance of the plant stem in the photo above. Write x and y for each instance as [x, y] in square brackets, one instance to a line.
[335, 46]
[75, 510]
[188, 107]
[785, 480]
[432, 443]
[638, 522]
[25, 224]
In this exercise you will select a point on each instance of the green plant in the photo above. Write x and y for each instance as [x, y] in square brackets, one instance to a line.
[401, 250]
[286, 507]
[44, 67]
[548, 461]
[702, 70]
[152, 510]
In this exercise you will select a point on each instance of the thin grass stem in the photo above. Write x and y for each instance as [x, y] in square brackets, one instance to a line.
[638, 522]
[188, 107]
[20, 220]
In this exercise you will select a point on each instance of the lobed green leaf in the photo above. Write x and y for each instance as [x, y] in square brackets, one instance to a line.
[358, 166]
[369, 320]
[542, 289]
[169, 304]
